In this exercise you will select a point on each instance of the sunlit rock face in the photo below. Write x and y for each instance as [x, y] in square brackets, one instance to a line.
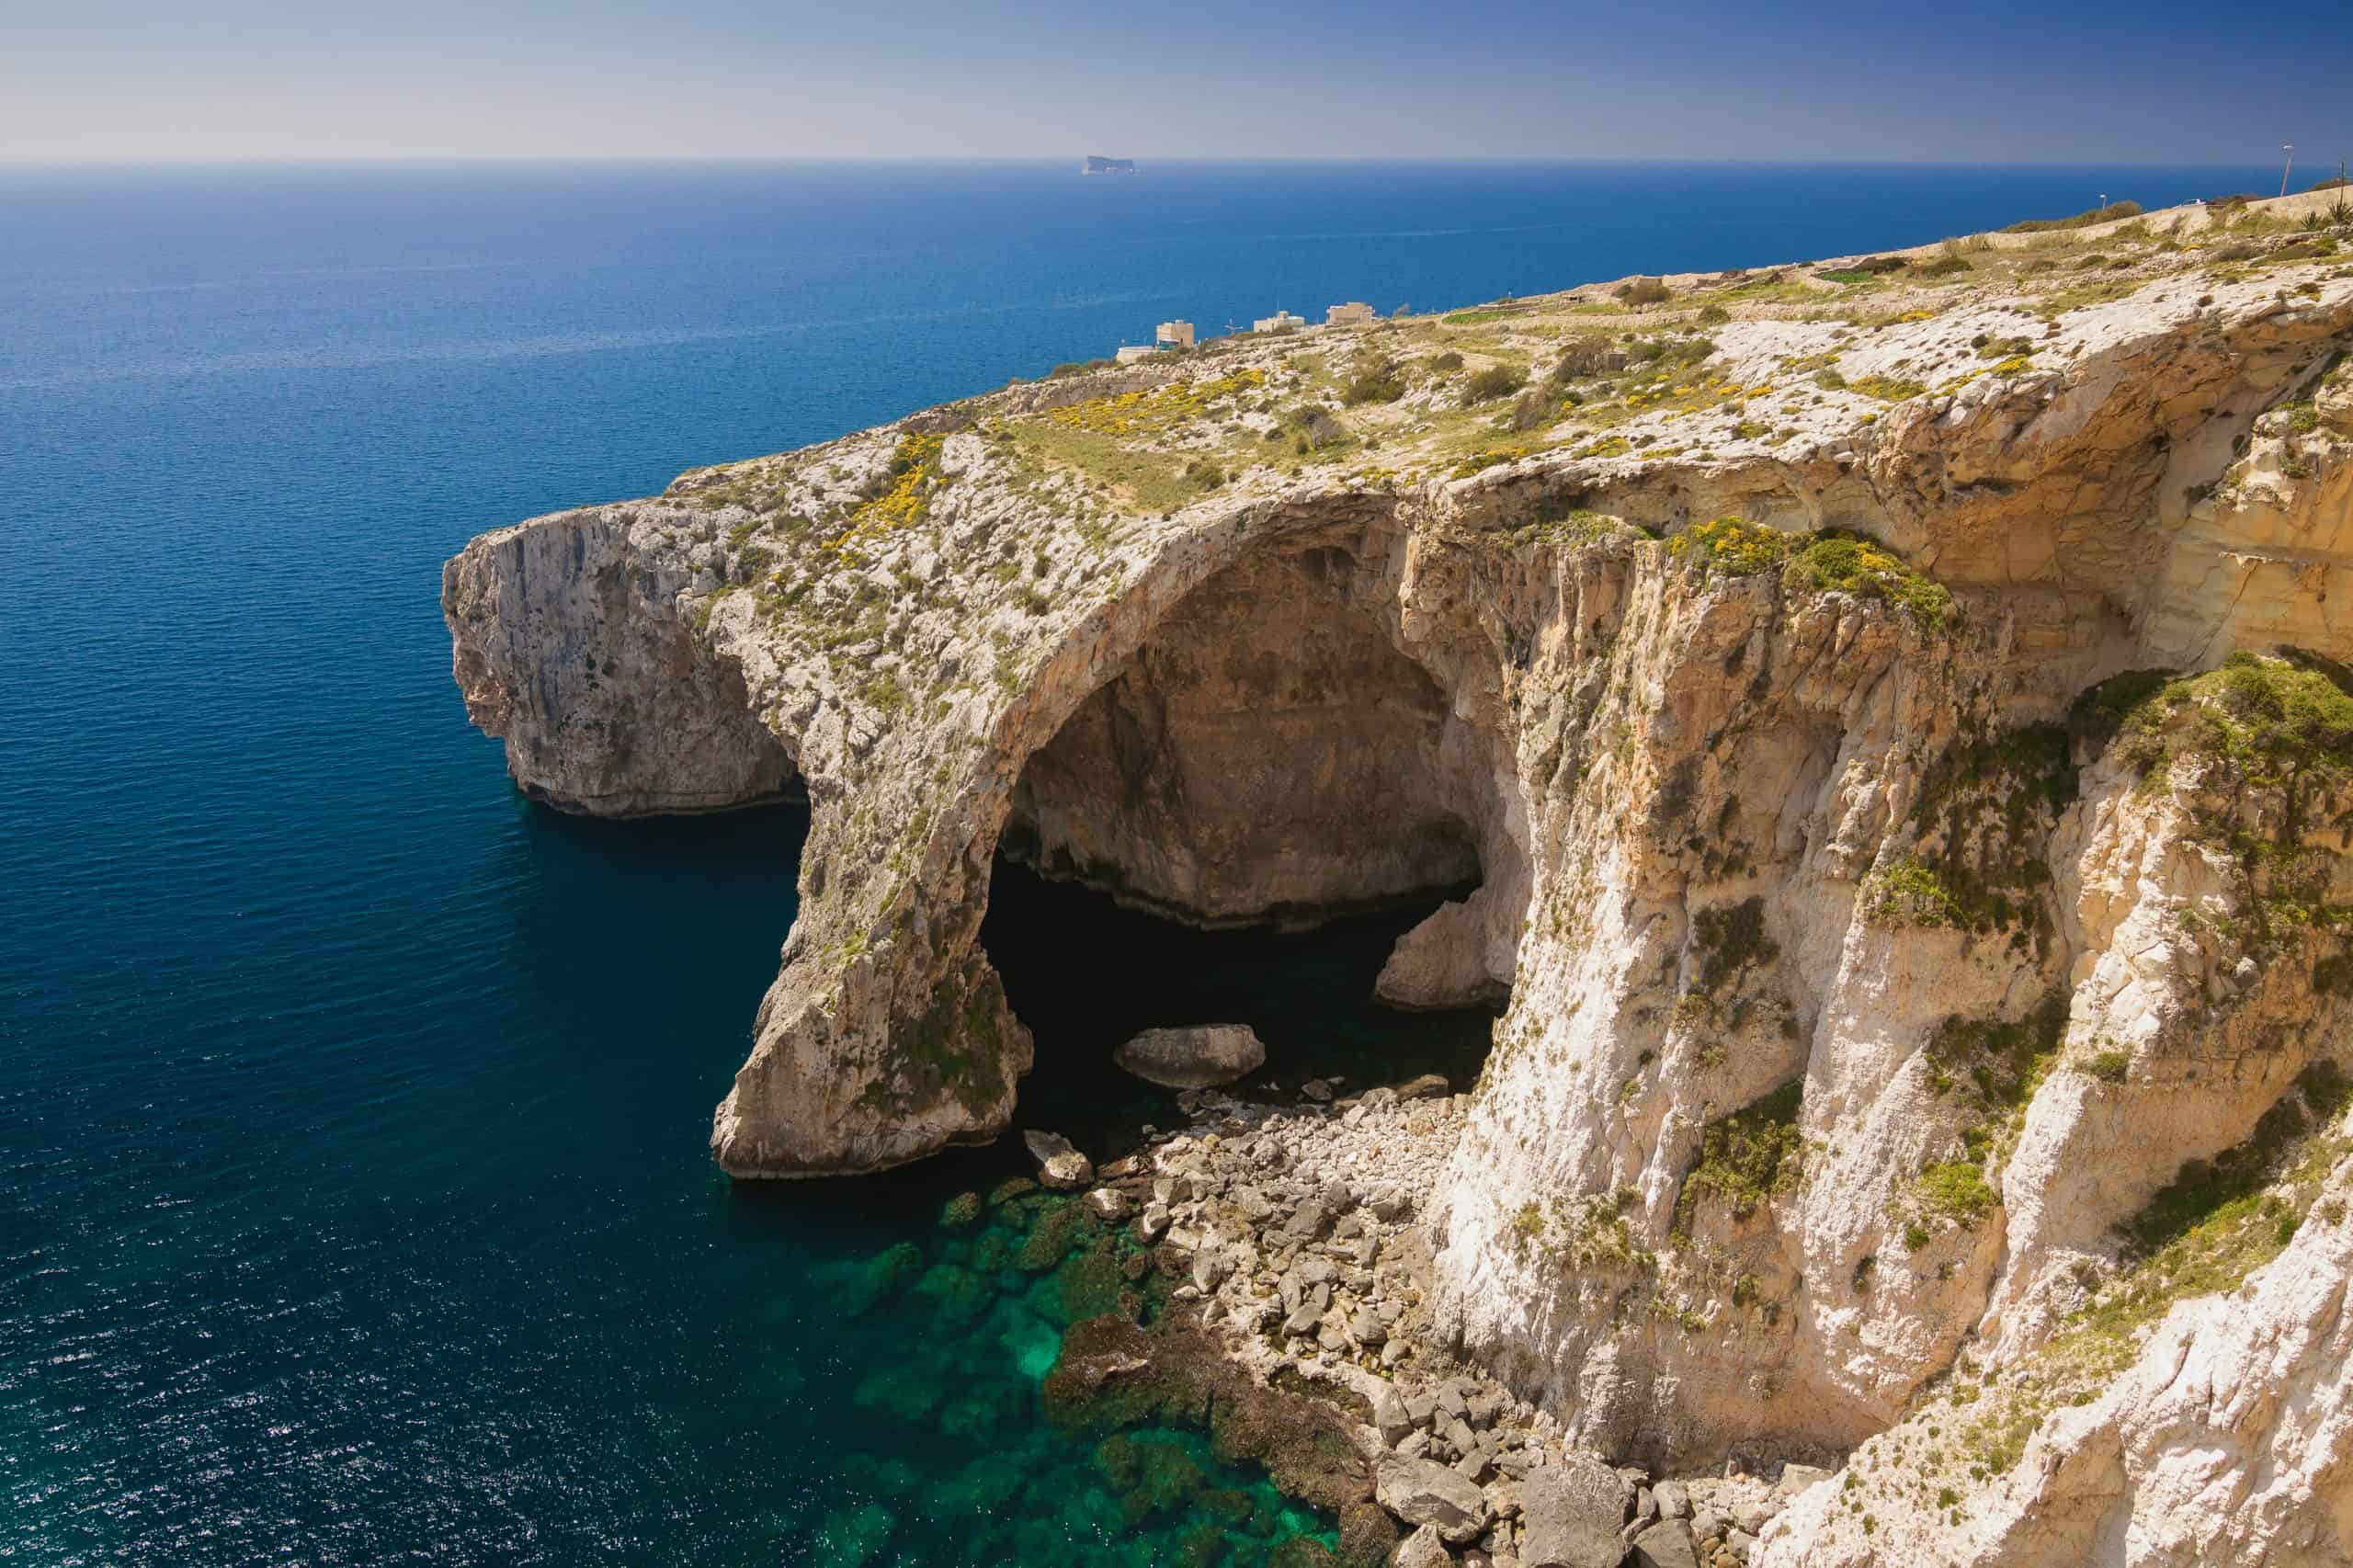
[1267, 754]
[1908, 1007]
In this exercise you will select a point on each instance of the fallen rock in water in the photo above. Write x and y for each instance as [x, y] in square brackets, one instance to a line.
[1060, 1164]
[1109, 1206]
[1421, 1492]
[1573, 1515]
[1429, 1086]
[1198, 1058]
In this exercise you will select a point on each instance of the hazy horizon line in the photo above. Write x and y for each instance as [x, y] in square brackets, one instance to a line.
[491, 160]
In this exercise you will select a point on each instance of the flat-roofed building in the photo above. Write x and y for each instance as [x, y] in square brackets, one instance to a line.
[1174, 335]
[1356, 312]
[1281, 320]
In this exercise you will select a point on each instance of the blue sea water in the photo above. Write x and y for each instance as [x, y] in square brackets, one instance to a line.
[354, 1205]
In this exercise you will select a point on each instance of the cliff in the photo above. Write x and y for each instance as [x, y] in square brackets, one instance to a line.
[1922, 1017]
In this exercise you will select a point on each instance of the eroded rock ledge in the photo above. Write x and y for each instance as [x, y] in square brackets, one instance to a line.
[1890, 967]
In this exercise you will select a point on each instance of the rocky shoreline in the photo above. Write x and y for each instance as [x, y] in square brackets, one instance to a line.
[1294, 1231]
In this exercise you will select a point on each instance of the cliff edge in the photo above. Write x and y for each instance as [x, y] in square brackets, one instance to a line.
[1890, 707]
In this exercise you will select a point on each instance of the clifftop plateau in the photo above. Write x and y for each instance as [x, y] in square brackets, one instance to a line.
[1893, 710]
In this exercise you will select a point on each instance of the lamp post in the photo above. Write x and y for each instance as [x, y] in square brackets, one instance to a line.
[2289, 148]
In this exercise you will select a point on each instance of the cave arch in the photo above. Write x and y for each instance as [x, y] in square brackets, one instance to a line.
[1272, 756]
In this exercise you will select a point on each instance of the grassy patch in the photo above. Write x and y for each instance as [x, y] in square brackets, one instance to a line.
[2108, 214]
[1955, 1190]
[900, 499]
[1887, 389]
[2218, 1221]
[1154, 480]
[1833, 562]
[1829, 561]
[1983, 809]
[1732, 547]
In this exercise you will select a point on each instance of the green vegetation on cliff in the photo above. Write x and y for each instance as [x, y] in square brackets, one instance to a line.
[1746, 1158]
[2281, 718]
[1826, 563]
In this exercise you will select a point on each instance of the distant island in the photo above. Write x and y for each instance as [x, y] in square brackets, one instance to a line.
[1096, 165]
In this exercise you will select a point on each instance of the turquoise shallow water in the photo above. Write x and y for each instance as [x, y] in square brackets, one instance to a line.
[354, 1205]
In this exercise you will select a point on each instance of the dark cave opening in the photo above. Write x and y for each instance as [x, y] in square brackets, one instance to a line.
[1086, 972]
[1237, 828]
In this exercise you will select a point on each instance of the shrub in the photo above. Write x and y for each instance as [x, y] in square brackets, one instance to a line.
[1205, 473]
[1532, 411]
[1731, 547]
[1956, 1189]
[1495, 382]
[1714, 315]
[1643, 292]
[1446, 363]
[1375, 381]
[1670, 351]
[1943, 267]
[2282, 715]
[2108, 214]
[2109, 1066]
[1317, 428]
[1588, 354]
[1909, 892]
[1748, 1156]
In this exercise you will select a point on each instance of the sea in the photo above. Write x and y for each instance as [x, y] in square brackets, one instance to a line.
[354, 1202]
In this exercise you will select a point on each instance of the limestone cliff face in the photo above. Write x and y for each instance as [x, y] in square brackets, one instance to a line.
[572, 644]
[1878, 946]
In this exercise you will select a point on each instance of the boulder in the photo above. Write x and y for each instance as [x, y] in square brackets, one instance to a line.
[1060, 1164]
[1572, 1515]
[1389, 1414]
[1429, 1086]
[1421, 1492]
[1109, 1206]
[1796, 1478]
[1667, 1544]
[1194, 1058]
[1442, 963]
[1423, 1548]
[1674, 1499]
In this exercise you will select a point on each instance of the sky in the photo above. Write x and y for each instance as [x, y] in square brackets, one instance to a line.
[2136, 81]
